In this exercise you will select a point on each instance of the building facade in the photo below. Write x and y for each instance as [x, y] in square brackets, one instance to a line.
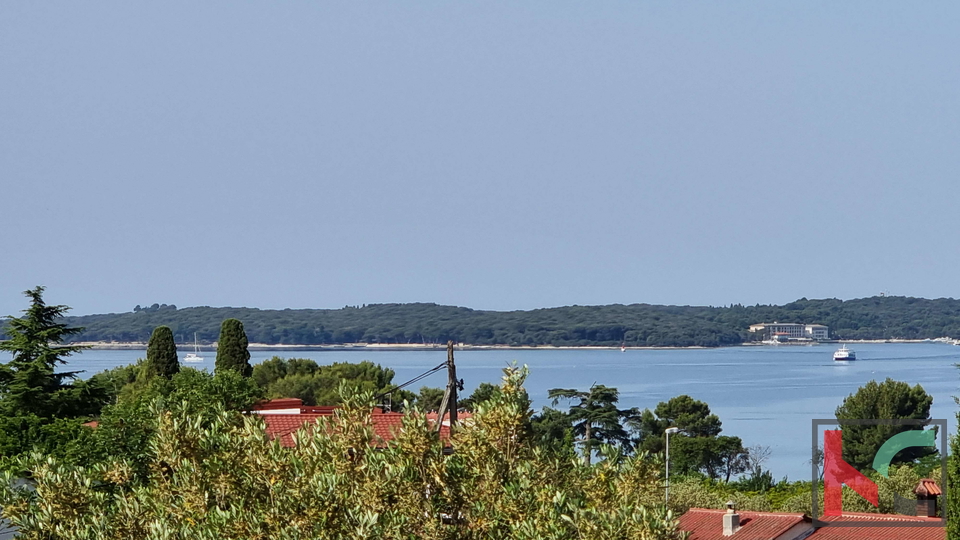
[784, 331]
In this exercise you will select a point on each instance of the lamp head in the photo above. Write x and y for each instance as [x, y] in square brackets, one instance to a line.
[672, 431]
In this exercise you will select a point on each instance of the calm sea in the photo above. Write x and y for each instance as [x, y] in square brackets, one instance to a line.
[765, 395]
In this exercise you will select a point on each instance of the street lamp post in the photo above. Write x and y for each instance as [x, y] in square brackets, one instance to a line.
[667, 433]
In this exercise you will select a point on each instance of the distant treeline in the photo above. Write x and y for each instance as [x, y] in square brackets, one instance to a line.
[635, 324]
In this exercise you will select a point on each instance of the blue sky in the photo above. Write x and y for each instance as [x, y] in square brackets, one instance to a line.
[497, 155]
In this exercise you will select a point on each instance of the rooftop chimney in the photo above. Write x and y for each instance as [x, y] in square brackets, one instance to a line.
[927, 491]
[731, 520]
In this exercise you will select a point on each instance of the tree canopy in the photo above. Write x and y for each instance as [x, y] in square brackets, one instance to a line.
[888, 400]
[692, 417]
[635, 325]
[29, 382]
[162, 358]
[595, 416]
[219, 476]
[232, 350]
[698, 446]
[33, 395]
[322, 385]
[483, 393]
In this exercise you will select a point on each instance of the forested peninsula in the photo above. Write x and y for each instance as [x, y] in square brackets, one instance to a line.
[879, 317]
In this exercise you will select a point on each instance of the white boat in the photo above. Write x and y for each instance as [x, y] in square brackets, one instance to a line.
[843, 354]
[194, 357]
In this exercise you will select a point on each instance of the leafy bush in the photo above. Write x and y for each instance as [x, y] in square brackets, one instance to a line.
[216, 475]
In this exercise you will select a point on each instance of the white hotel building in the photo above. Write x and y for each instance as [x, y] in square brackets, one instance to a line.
[777, 330]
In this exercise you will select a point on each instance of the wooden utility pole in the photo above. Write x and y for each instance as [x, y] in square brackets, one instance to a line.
[452, 384]
[449, 403]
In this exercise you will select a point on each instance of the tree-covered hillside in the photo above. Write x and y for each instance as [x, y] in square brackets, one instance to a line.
[635, 324]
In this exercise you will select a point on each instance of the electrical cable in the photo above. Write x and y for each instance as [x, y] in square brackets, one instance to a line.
[411, 381]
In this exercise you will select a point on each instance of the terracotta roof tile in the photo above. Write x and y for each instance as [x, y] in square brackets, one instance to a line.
[283, 426]
[707, 524]
[879, 533]
[385, 426]
[928, 487]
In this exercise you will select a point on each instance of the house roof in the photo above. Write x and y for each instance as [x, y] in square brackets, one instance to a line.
[928, 487]
[879, 533]
[707, 524]
[385, 426]
[294, 406]
[279, 403]
[283, 426]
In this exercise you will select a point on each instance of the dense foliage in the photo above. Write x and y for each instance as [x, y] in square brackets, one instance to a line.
[125, 427]
[173, 453]
[220, 477]
[162, 358]
[783, 496]
[232, 353]
[698, 447]
[887, 400]
[38, 405]
[953, 475]
[595, 418]
[322, 385]
[635, 324]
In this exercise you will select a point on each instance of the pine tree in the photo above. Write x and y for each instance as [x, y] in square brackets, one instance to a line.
[887, 400]
[232, 353]
[29, 383]
[162, 354]
[595, 416]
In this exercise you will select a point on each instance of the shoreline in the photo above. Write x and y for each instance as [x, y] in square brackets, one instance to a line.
[135, 346]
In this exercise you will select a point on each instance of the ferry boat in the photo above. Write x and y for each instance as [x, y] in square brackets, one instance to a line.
[843, 354]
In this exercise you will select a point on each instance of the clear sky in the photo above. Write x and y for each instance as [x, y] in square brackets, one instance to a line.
[496, 155]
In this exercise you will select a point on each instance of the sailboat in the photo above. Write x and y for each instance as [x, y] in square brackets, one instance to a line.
[194, 357]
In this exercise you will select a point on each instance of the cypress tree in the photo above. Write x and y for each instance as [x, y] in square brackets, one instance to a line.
[232, 353]
[162, 354]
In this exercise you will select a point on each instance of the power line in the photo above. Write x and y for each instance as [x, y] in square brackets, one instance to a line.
[411, 381]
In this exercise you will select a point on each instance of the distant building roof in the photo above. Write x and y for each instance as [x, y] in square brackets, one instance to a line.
[757, 325]
[293, 406]
[879, 533]
[282, 425]
[707, 524]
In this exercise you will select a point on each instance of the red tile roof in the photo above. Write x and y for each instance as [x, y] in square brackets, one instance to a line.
[707, 524]
[928, 487]
[283, 426]
[385, 426]
[879, 533]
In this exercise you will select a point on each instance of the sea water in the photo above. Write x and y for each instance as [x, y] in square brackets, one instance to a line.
[766, 395]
